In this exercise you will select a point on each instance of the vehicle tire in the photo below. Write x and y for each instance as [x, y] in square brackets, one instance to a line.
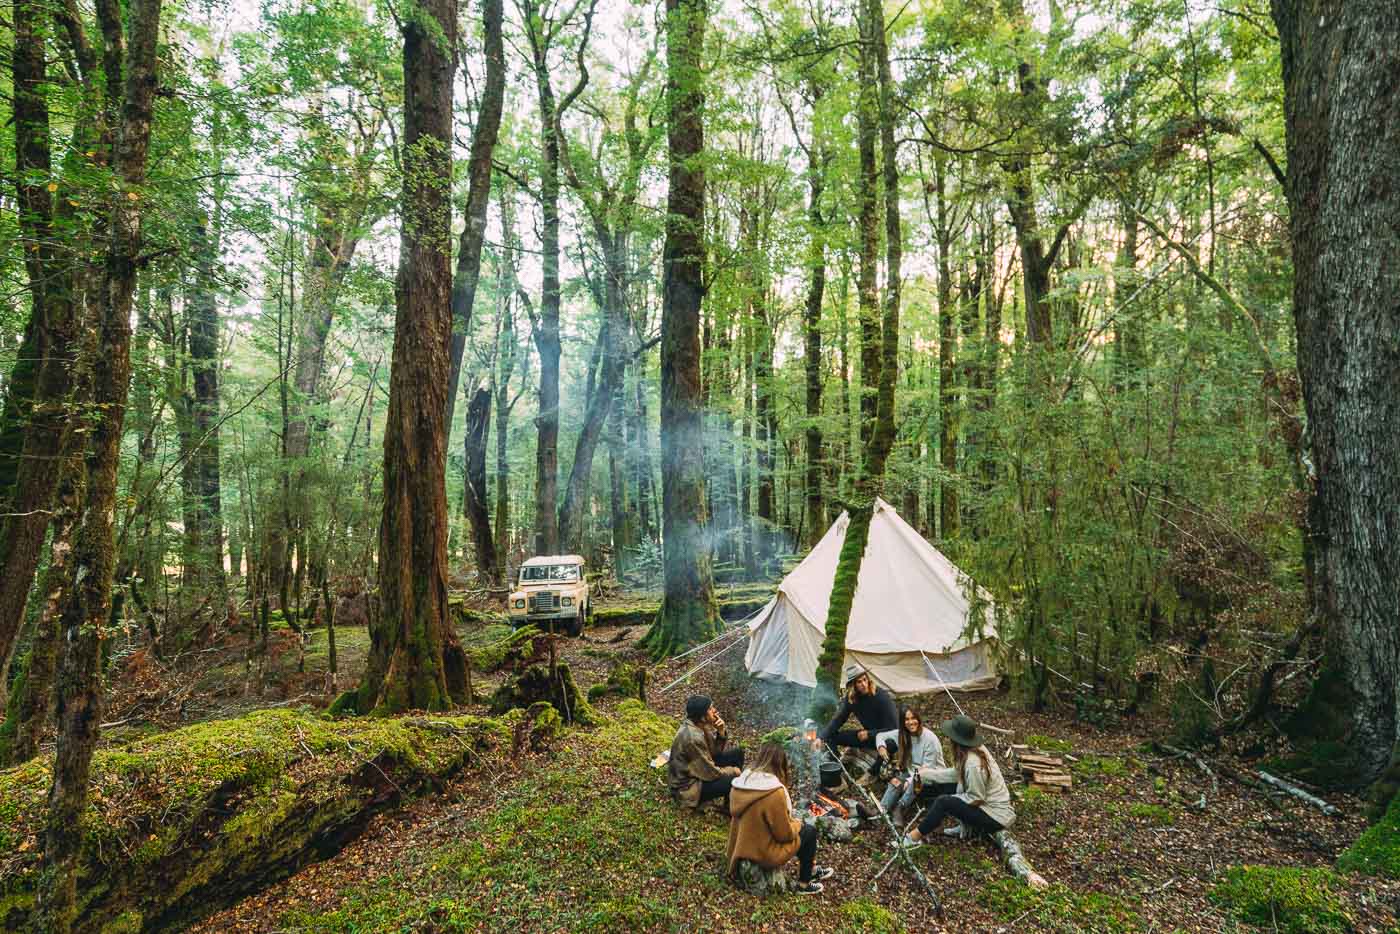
[576, 627]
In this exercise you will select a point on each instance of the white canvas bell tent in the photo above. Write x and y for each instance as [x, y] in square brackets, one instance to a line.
[908, 623]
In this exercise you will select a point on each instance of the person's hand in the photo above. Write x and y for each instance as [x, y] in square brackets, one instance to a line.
[883, 752]
[978, 803]
[863, 735]
[897, 782]
[719, 724]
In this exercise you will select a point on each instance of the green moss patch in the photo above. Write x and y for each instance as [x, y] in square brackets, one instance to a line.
[1289, 899]
[1377, 851]
[1059, 908]
[863, 916]
[183, 822]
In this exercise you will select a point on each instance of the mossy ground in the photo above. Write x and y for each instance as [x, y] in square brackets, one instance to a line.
[1289, 899]
[1377, 851]
[174, 813]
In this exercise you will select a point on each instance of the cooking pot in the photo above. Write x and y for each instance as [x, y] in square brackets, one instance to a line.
[831, 776]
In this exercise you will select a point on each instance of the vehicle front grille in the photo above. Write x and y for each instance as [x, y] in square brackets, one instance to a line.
[544, 601]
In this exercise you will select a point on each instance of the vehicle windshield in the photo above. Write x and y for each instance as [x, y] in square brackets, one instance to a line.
[562, 573]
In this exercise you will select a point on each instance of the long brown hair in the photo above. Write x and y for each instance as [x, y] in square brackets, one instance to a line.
[773, 759]
[851, 686]
[960, 761]
[906, 739]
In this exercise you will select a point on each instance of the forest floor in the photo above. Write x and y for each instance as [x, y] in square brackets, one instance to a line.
[583, 836]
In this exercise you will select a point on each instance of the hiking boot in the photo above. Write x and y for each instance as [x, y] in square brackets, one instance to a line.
[809, 888]
[954, 831]
[822, 873]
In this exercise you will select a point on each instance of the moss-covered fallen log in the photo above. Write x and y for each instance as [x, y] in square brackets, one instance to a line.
[731, 609]
[187, 822]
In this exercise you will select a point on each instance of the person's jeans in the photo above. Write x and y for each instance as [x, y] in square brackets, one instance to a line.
[806, 852]
[719, 787]
[945, 806]
[850, 738]
[897, 796]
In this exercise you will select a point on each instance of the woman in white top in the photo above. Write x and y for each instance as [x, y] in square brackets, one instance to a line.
[911, 747]
[982, 801]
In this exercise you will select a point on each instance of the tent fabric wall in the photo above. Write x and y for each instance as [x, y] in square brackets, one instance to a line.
[909, 619]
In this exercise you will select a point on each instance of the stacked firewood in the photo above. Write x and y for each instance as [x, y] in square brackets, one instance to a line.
[1040, 768]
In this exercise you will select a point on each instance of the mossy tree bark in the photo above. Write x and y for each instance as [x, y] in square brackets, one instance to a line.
[30, 707]
[687, 614]
[879, 337]
[1341, 72]
[130, 66]
[415, 660]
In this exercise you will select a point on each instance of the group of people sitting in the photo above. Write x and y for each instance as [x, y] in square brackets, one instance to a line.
[704, 765]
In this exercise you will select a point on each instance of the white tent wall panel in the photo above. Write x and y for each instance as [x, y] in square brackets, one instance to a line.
[909, 606]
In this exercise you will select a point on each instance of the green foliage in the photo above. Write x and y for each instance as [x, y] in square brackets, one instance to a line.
[1059, 908]
[1289, 899]
[1377, 851]
[1192, 721]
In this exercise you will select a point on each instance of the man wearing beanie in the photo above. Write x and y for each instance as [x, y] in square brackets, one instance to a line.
[703, 761]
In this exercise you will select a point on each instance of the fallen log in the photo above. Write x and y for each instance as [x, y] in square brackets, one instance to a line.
[188, 822]
[1198, 762]
[1284, 785]
[1015, 860]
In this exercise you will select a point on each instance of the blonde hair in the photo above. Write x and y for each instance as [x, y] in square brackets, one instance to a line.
[773, 759]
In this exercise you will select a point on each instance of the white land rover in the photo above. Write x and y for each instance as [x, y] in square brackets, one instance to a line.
[552, 593]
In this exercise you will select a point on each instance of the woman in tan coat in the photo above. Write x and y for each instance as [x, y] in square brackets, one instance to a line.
[762, 829]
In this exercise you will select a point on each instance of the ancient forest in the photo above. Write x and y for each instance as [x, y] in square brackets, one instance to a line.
[414, 412]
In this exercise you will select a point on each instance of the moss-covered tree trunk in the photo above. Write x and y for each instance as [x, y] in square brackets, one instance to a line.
[687, 614]
[879, 338]
[415, 661]
[1341, 71]
[88, 596]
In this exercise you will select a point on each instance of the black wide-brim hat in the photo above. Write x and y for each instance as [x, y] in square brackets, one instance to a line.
[963, 730]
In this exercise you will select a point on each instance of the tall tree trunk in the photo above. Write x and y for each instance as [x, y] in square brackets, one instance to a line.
[488, 125]
[948, 514]
[879, 338]
[415, 660]
[204, 363]
[546, 325]
[478, 514]
[812, 332]
[1341, 72]
[88, 597]
[56, 284]
[599, 405]
[30, 707]
[688, 615]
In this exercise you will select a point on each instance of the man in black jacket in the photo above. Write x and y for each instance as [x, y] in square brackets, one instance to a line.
[872, 705]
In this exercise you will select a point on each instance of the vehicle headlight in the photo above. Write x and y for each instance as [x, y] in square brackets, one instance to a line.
[567, 601]
[520, 604]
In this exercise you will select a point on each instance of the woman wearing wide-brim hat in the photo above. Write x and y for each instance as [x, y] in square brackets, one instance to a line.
[982, 802]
